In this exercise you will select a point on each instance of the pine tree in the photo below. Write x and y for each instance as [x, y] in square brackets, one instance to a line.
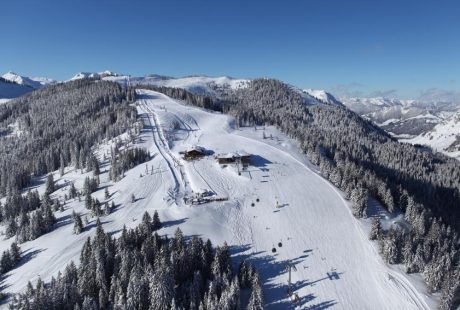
[15, 251]
[256, 299]
[161, 289]
[107, 209]
[156, 223]
[61, 164]
[49, 184]
[137, 292]
[359, 197]
[88, 200]
[72, 191]
[106, 193]
[78, 224]
[376, 230]
[146, 225]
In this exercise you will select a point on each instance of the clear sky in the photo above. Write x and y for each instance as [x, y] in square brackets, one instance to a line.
[375, 47]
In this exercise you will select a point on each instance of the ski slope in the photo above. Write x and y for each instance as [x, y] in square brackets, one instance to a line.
[337, 266]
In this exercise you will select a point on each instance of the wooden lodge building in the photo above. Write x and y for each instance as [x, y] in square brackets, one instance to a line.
[239, 157]
[194, 152]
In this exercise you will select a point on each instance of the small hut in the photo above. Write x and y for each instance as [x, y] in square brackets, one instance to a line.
[194, 152]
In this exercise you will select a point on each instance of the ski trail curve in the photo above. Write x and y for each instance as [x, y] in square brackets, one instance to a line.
[409, 291]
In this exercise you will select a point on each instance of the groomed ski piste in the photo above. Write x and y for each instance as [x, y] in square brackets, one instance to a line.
[311, 227]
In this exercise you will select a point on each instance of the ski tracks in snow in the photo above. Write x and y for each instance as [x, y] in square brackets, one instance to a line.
[235, 214]
[163, 148]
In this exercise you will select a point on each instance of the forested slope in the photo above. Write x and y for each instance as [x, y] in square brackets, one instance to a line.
[58, 125]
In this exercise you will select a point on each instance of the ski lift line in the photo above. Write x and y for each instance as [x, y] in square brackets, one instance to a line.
[176, 180]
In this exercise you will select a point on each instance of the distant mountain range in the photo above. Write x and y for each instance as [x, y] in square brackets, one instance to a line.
[13, 85]
[434, 124]
[430, 123]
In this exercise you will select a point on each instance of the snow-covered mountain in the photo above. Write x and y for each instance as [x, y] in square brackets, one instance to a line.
[443, 137]
[94, 75]
[199, 84]
[35, 82]
[322, 95]
[9, 90]
[13, 85]
[415, 121]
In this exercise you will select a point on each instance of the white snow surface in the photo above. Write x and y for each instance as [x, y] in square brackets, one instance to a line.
[20, 85]
[442, 136]
[35, 82]
[337, 266]
[98, 75]
[195, 84]
[322, 95]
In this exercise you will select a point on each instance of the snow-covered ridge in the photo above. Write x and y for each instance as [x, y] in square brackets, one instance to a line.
[444, 137]
[435, 124]
[94, 75]
[197, 84]
[322, 95]
[367, 105]
[35, 82]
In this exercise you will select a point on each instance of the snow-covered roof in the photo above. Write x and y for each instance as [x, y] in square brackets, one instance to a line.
[227, 155]
[196, 148]
[236, 154]
[242, 153]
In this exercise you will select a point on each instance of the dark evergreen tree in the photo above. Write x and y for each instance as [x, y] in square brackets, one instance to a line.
[376, 230]
[78, 224]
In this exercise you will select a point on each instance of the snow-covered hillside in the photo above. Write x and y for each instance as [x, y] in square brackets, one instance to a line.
[35, 82]
[312, 227]
[94, 75]
[322, 96]
[195, 84]
[435, 124]
[14, 85]
[444, 137]
[9, 90]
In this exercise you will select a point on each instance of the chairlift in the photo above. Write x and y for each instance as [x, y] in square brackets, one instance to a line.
[280, 244]
[273, 250]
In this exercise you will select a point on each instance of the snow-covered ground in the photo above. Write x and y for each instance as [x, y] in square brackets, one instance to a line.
[337, 266]
[442, 136]
[197, 84]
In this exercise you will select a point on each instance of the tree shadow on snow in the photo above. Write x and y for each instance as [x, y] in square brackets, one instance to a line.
[93, 224]
[63, 221]
[28, 255]
[173, 222]
[269, 267]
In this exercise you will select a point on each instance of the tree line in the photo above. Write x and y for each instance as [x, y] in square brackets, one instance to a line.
[56, 126]
[141, 270]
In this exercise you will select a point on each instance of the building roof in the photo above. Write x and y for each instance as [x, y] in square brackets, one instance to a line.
[195, 148]
[237, 154]
[242, 153]
[227, 155]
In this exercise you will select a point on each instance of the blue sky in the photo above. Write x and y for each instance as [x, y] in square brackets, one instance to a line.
[375, 47]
